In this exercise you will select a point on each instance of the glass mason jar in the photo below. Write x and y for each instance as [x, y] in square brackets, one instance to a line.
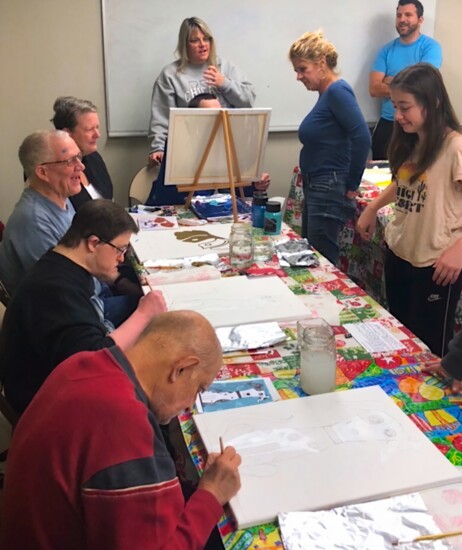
[317, 356]
[262, 247]
[241, 245]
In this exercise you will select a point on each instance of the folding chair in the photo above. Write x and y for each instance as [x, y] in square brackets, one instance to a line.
[141, 185]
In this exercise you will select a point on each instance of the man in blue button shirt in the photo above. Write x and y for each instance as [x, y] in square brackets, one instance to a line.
[410, 48]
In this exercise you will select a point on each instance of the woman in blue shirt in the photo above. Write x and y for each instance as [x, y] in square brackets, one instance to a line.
[336, 143]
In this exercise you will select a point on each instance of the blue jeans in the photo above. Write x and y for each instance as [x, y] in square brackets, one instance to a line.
[117, 308]
[326, 209]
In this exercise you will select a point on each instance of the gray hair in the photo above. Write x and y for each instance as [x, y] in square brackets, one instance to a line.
[67, 109]
[37, 148]
[189, 25]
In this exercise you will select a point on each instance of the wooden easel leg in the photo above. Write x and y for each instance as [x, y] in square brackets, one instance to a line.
[229, 161]
[187, 203]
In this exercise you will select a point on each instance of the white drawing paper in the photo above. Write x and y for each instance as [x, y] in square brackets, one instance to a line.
[181, 242]
[374, 337]
[234, 301]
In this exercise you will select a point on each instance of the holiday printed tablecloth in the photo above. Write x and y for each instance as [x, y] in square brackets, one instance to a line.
[328, 292]
[361, 260]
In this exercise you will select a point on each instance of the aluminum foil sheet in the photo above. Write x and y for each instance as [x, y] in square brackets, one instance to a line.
[368, 526]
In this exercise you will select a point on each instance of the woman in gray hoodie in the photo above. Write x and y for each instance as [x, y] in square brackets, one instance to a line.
[197, 70]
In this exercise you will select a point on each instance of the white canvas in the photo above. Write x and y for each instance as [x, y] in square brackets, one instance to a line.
[323, 451]
[232, 301]
[189, 131]
[181, 242]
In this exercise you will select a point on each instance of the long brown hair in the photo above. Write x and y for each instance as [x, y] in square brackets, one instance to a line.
[426, 84]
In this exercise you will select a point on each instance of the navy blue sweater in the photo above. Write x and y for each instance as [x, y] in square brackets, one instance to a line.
[335, 136]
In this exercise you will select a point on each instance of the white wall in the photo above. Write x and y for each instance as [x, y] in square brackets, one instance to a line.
[447, 32]
[54, 47]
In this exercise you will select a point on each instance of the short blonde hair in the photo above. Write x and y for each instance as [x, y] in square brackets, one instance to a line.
[190, 25]
[312, 47]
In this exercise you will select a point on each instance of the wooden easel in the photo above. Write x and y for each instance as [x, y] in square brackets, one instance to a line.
[234, 172]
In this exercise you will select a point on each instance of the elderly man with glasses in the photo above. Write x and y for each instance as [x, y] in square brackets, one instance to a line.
[51, 314]
[52, 163]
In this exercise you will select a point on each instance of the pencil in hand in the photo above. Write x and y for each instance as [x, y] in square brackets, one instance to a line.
[146, 280]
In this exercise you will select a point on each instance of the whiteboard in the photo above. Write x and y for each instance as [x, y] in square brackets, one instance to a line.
[140, 38]
[323, 451]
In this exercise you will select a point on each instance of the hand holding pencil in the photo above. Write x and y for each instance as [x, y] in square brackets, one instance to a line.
[152, 304]
[221, 474]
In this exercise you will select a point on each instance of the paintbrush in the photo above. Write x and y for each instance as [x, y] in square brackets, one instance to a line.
[429, 538]
[148, 283]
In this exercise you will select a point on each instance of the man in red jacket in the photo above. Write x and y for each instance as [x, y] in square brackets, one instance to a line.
[88, 466]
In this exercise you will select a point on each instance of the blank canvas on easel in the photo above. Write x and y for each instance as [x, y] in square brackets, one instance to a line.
[323, 451]
[188, 134]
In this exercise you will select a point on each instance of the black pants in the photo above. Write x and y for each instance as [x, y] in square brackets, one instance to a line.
[381, 138]
[420, 304]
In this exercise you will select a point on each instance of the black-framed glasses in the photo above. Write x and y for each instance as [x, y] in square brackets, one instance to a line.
[120, 251]
[68, 162]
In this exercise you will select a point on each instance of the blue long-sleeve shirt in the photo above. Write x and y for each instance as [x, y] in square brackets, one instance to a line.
[335, 136]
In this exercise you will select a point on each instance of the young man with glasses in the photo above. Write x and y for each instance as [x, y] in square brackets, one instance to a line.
[51, 315]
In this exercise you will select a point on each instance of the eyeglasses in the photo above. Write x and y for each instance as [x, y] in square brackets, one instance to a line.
[69, 162]
[120, 251]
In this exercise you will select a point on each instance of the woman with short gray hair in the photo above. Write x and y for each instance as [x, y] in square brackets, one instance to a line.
[79, 118]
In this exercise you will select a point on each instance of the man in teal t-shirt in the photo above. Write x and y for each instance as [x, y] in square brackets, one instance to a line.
[410, 48]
